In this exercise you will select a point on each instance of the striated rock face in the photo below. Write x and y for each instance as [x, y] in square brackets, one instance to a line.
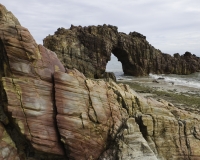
[27, 92]
[88, 49]
[49, 112]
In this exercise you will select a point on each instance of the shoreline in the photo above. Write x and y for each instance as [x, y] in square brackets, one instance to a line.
[182, 97]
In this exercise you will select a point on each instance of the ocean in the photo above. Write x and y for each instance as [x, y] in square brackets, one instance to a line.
[192, 80]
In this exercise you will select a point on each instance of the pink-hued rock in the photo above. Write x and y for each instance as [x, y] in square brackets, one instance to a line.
[28, 84]
[25, 57]
[31, 105]
[87, 115]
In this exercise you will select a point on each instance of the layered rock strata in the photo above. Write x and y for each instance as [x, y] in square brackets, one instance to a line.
[89, 49]
[27, 92]
[49, 112]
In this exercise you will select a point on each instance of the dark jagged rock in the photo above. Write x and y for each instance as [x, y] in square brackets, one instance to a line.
[88, 49]
[108, 75]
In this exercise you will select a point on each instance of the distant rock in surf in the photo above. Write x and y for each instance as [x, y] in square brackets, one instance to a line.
[172, 83]
[155, 81]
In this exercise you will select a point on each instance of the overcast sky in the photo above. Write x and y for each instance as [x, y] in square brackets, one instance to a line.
[173, 26]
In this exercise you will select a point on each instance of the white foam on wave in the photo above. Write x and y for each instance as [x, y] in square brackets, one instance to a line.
[188, 82]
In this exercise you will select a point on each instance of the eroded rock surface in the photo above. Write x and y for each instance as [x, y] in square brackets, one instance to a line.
[27, 92]
[88, 49]
[49, 112]
[8, 149]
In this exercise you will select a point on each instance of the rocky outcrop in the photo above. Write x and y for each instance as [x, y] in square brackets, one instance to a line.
[89, 49]
[49, 112]
[27, 94]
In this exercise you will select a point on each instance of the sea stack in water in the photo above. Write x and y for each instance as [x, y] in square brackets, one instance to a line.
[51, 112]
[89, 49]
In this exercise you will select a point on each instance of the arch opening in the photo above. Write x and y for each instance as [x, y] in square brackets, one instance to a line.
[114, 66]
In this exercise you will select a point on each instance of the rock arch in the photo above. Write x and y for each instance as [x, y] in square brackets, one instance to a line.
[89, 49]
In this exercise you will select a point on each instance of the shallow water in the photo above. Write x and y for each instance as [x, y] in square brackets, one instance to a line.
[192, 80]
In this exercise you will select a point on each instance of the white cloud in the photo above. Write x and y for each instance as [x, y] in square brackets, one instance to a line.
[171, 26]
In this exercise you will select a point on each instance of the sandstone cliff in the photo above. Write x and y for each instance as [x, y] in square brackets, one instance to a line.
[49, 112]
[88, 49]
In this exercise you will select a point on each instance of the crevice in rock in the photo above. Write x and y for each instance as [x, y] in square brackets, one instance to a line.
[112, 148]
[153, 136]
[179, 133]
[21, 105]
[187, 141]
[120, 99]
[19, 33]
[3, 117]
[93, 119]
[186, 153]
[111, 112]
[138, 103]
[82, 120]
[142, 127]
[55, 112]
[148, 138]
[111, 140]
[195, 133]
[23, 146]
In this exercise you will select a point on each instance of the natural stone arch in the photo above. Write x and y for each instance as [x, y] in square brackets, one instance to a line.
[88, 49]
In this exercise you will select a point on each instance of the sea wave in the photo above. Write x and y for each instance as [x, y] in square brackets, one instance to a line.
[192, 80]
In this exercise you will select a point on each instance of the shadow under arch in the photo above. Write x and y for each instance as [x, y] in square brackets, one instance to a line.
[129, 67]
